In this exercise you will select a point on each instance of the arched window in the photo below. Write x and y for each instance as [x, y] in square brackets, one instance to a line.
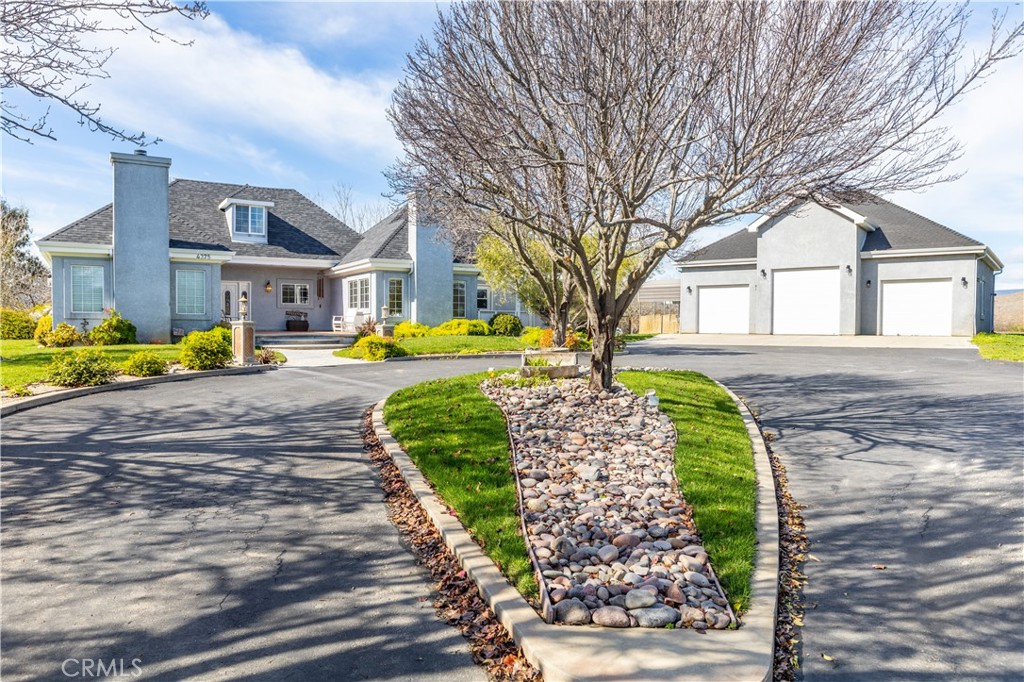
[227, 305]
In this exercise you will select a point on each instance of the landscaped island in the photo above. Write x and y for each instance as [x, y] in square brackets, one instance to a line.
[615, 542]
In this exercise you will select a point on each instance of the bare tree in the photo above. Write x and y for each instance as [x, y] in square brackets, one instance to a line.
[638, 123]
[48, 53]
[25, 280]
[360, 216]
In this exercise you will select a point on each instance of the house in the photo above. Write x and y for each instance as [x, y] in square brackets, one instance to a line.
[857, 267]
[173, 257]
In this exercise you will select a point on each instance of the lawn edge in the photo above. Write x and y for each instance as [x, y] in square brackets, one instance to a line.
[562, 653]
[60, 396]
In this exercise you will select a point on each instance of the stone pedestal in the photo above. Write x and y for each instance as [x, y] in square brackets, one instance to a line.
[243, 341]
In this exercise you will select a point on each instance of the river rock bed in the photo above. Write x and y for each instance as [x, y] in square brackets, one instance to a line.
[613, 539]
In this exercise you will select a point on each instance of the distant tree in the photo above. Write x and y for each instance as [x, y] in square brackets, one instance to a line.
[49, 51]
[636, 124]
[518, 263]
[360, 216]
[25, 278]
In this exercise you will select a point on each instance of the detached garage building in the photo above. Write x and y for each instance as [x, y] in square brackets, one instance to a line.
[868, 267]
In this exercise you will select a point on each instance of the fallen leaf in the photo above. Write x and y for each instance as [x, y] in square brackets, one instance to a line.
[879, 567]
[813, 558]
[827, 657]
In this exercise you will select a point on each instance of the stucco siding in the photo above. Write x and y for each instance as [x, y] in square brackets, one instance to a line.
[268, 310]
[879, 270]
[61, 290]
[809, 237]
[431, 290]
[694, 278]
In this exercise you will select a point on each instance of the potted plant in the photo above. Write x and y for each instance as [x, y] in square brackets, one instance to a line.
[296, 321]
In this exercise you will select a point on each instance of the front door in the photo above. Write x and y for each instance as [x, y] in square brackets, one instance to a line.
[229, 293]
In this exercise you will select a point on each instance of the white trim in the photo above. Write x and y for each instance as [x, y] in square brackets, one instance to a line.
[232, 201]
[50, 249]
[983, 253]
[71, 288]
[756, 225]
[464, 269]
[177, 290]
[854, 217]
[367, 264]
[717, 263]
[282, 283]
[199, 256]
[320, 264]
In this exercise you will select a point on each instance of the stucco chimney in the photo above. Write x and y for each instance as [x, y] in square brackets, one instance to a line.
[142, 271]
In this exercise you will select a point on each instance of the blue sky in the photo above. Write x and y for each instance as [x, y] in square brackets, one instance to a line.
[294, 94]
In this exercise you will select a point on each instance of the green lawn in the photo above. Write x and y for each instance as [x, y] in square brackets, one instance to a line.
[447, 345]
[24, 362]
[630, 338]
[458, 439]
[1000, 346]
[715, 465]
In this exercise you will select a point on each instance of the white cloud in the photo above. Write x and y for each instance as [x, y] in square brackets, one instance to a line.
[230, 84]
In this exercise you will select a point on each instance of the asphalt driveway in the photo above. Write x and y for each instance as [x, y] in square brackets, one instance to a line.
[232, 529]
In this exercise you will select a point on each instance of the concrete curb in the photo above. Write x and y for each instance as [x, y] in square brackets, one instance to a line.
[60, 396]
[595, 654]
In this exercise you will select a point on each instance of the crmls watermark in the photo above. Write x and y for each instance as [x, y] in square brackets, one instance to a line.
[97, 667]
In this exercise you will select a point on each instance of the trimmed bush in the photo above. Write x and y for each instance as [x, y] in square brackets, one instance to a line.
[113, 331]
[547, 338]
[43, 327]
[85, 367]
[408, 330]
[506, 324]
[16, 324]
[462, 328]
[531, 336]
[62, 336]
[376, 348]
[223, 332]
[145, 363]
[206, 350]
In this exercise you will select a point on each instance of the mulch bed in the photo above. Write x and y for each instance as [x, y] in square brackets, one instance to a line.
[457, 600]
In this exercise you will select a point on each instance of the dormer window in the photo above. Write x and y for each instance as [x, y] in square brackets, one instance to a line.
[250, 220]
[247, 219]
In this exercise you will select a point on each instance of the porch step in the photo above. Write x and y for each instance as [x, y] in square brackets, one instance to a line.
[299, 340]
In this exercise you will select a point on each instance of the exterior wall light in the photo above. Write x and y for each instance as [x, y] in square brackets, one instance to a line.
[267, 287]
[689, 289]
[764, 275]
[963, 282]
[243, 305]
[849, 270]
[868, 284]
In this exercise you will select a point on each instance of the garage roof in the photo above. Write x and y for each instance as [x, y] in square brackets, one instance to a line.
[895, 228]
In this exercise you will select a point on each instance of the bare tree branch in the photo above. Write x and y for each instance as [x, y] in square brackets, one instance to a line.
[634, 124]
[47, 53]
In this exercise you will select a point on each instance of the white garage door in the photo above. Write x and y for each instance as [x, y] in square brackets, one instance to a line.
[723, 310]
[917, 308]
[805, 301]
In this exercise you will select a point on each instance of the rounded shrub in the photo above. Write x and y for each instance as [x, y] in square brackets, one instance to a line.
[205, 350]
[145, 363]
[506, 324]
[223, 332]
[462, 328]
[62, 336]
[43, 327]
[85, 367]
[16, 324]
[406, 330]
[113, 331]
[531, 336]
[376, 348]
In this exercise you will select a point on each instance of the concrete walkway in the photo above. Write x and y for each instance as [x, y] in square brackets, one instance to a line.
[780, 341]
[315, 357]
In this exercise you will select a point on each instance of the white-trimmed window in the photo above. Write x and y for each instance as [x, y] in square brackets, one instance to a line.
[395, 298]
[458, 299]
[250, 221]
[359, 294]
[190, 292]
[86, 288]
[483, 298]
[294, 293]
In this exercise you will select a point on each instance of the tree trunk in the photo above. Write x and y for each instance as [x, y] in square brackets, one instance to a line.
[559, 324]
[602, 334]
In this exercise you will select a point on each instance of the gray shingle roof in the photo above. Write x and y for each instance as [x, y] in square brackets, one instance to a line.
[296, 227]
[387, 239]
[901, 228]
[742, 244]
[896, 228]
